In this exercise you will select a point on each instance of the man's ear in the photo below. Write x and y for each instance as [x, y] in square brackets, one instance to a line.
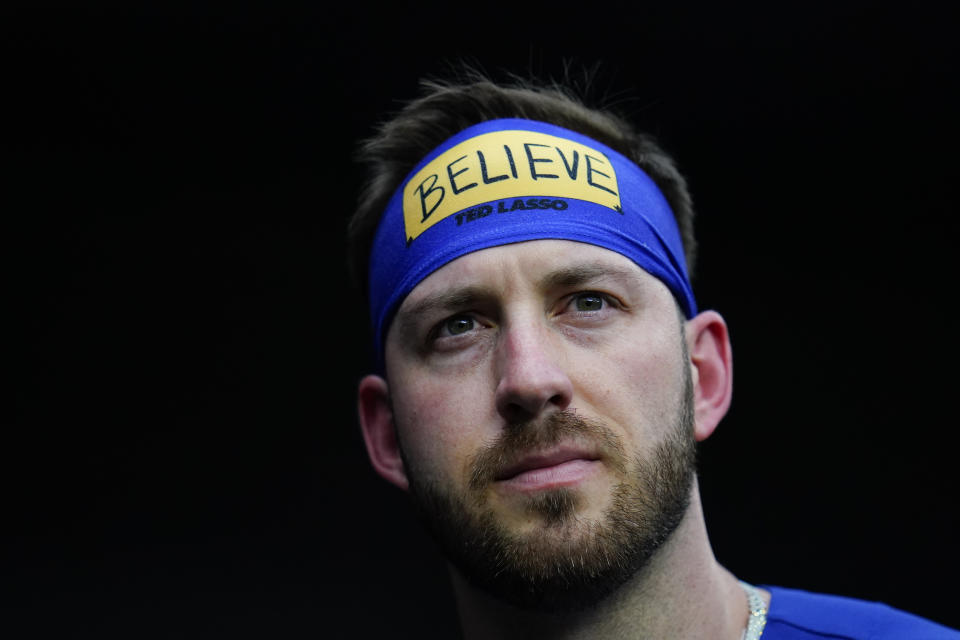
[711, 365]
[376, 422]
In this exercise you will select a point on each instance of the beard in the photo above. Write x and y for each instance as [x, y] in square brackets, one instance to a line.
[565, 562]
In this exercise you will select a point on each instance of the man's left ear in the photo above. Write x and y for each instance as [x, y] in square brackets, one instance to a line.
[711, 366]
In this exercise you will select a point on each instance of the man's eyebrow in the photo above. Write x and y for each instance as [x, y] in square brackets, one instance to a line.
[448, 300]
[461, 297]
[584, 273]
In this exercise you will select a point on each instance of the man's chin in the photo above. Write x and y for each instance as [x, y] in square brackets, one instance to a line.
[559, 514]
[557, 560]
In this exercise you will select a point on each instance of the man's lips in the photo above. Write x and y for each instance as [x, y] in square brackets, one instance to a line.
[544, 470]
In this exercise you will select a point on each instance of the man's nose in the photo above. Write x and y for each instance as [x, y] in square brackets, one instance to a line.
[531, 373]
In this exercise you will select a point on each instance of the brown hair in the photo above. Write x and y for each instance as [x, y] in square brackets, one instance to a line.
[446, 108]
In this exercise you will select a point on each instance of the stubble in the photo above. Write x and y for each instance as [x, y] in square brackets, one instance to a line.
[567, 562]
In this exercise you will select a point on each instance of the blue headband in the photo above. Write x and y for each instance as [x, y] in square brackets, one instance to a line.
[505, 181]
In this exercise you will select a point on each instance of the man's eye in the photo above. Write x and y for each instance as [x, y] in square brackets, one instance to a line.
[588, 302]
[458, 324]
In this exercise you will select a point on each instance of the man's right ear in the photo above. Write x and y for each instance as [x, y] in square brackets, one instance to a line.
[379, 434]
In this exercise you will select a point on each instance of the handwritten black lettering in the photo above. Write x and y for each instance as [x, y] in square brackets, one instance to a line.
[453, 175]
[423, 196]
[591, 171]
[483, 171]
[513, 167]
[533, 161]
[571, 168]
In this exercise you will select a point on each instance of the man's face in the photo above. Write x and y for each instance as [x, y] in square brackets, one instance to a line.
[541, 396]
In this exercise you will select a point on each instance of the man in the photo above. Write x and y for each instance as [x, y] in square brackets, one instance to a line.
[545, 375]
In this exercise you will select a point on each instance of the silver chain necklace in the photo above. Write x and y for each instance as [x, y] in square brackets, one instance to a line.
[758, 612]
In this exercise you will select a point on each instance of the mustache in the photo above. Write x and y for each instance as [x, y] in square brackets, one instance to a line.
[522, 438]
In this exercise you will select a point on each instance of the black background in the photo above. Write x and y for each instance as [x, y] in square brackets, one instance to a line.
[181, 458]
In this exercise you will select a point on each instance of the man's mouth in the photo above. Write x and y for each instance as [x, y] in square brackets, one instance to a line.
[558, 467]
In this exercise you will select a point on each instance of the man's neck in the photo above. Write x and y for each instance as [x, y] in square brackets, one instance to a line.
[682, 593]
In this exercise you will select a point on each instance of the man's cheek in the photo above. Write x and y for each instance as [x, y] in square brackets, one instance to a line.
[435, 439]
